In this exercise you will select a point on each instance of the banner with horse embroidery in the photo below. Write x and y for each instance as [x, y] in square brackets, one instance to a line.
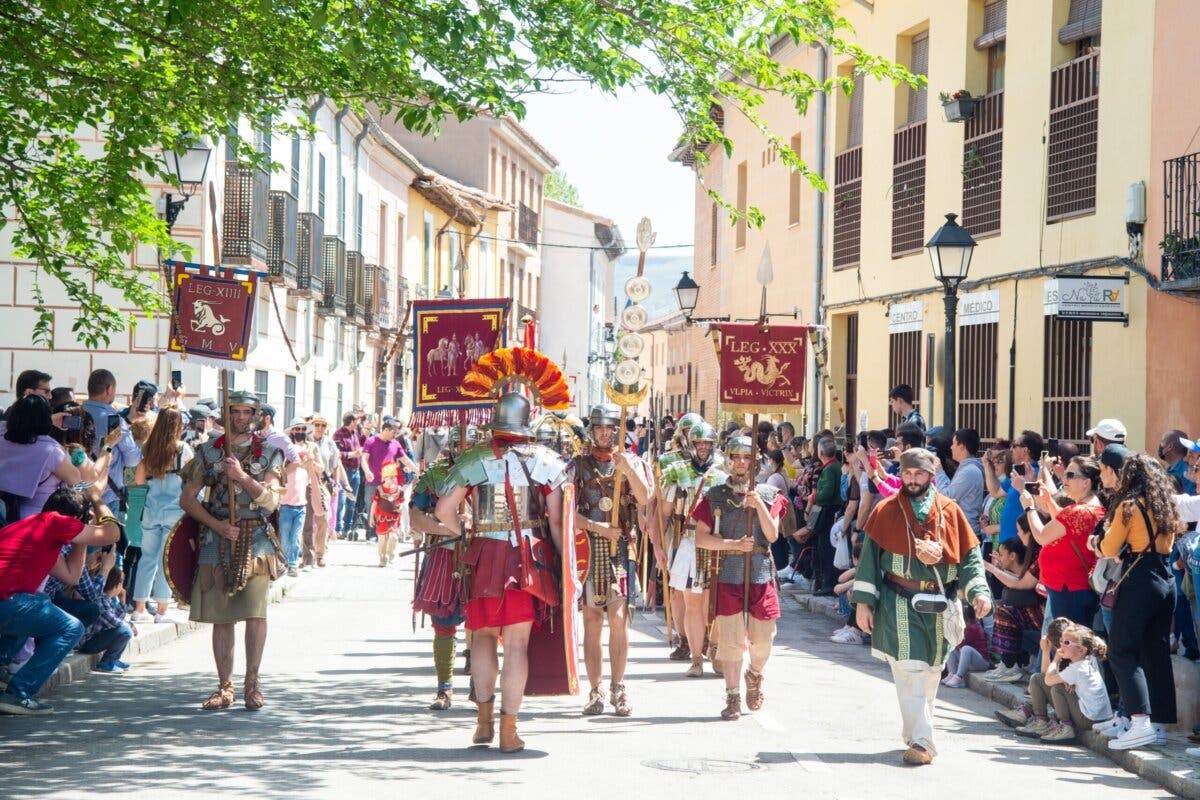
[449, 336]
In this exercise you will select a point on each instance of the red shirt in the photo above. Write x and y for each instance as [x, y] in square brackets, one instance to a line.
[29, 548]
[1064, 568]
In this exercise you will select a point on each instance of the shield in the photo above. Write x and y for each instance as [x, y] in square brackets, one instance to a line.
[554, 643]
[181, 556]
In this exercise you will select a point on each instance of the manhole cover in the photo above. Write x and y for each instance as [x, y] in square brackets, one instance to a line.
[700, 766]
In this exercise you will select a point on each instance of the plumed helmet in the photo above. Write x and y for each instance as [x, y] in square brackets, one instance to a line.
[511, 415]
[739, 446]
[604, 414]
[702, 432]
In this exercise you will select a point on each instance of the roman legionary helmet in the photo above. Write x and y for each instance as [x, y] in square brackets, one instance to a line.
[562, 433]
[241, 397]
[605, 414]
[456, 437]
[739, 446]
[702, 432]
[498, 373]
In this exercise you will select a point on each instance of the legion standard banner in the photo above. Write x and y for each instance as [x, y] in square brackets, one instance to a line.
[449, 336]
[212, 322]
[762, 371]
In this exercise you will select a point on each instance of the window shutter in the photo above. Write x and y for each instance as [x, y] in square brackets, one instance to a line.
[1083, 21]
[995, 21]
[854, 133]
[919, 66]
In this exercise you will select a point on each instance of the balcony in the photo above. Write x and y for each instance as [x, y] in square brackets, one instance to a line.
[244, 218]
[310, 232]
[333, 269]
[370, 293]
[1181, 224]
[281, 240]
[527, 226]
[354, 286]
[908, 190]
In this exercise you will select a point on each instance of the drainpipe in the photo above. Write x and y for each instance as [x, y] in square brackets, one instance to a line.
[358, 247]
[310, 204]
[341, 212]
[815, 391]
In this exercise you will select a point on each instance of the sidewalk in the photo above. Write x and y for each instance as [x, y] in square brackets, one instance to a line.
[151, 636]
[1167, 766]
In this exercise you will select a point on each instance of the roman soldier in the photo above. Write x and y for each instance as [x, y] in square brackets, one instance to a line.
[513, 576]
[681, 485]
[737, 521]
[438, 589]
[606, 589]
[919, 555]
[563, 433]
[239, 552]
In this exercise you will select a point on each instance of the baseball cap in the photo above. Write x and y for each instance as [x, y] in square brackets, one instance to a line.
[1114, 456]
[268, 410]
[1190, 444]
[1111, 430]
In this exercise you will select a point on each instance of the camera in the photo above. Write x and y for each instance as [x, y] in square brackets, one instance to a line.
[72, 423]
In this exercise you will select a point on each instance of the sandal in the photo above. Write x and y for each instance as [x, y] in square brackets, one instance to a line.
[251, 693]
[221, 698]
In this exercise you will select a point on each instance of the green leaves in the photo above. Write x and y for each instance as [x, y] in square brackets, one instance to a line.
[149, 73]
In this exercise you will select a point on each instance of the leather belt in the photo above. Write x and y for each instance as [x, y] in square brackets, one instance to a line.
[506, 527]
[907, 588]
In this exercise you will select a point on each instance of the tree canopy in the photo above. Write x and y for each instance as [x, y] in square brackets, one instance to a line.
[141, 75]
[558, 186]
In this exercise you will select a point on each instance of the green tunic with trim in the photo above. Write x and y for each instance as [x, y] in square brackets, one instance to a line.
[902, 633]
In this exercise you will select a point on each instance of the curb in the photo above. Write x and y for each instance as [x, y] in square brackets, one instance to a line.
[1168, 767]
[78, 666]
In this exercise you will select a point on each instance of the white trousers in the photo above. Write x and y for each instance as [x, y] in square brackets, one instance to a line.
[916, 689]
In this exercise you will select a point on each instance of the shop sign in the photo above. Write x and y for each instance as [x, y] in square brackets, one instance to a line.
[1100, 299]
[979, 308]
[906, 317]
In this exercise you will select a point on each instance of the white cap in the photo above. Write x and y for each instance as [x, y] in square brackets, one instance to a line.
[1110, 430]
[298, 422]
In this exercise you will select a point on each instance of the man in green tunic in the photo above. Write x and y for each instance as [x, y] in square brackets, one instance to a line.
[916, 538]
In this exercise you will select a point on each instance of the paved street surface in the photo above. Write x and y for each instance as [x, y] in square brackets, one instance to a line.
[347, 681]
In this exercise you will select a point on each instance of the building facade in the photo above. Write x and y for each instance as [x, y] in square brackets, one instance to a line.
[579, 253]
[1051, 175]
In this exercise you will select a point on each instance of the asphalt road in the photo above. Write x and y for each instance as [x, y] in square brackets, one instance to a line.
[347, 681]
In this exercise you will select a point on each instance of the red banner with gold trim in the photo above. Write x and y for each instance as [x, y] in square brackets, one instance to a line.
[762, 371]
[449, 336]
[213, 317]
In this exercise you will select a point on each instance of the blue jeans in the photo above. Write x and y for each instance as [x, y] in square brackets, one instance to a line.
[110, 641]
[1185, 627]
[345, 512]
[55, 633]
[151, 580]
[1079, 607]
[291, 526]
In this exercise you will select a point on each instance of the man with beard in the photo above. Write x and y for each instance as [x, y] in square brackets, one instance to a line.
[920, 553]
[516, 489]
[238, 557]
[606, 590]
[737, 522]
[683, 482]
[438, 592]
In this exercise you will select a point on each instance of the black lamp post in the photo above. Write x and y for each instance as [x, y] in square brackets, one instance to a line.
[950, 250]
[188, 167]
[687, 294]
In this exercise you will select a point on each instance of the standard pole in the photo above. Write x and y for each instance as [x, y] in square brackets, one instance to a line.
[948, 402]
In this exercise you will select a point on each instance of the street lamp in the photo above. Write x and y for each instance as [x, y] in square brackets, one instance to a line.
[188, 167]
[687, 294]
[950, 250]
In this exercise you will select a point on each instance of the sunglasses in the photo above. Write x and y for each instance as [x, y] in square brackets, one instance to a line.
[319, 425]
[1068, 643]
[1074, 475]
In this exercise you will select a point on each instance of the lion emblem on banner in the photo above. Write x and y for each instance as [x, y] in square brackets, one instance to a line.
[769, 372]
[207, 319]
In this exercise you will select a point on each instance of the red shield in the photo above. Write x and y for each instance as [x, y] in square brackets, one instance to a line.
[181, 556]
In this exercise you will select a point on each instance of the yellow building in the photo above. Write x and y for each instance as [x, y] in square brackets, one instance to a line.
[1055, 315]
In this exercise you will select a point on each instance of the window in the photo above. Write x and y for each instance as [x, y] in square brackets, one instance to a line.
[977, 351]
[261, 385]
[908, 189]
[427, 251]
[847, 208]
[358, 223]
[716, 215]
[904, 366]
[991, 40]
[794, 179]
[983, 150]
[740, 231]
[289, 399]
[1073, 141]
[918, 65]
[295, 173]
[381, 381]
[854, 121]
[321, 186]
[996, 67]
[852, 375]
[316, 397]
[341, 408]
[341, 207]
[319, 337]
[1067, 380]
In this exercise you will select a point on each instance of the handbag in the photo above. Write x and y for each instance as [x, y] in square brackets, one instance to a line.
[1108, 598]
[841, 545]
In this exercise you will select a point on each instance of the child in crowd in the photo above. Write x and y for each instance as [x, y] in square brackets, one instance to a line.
[969, 656]
[1024, 714]
[385, 513]
[101, 584]
[1074, 684]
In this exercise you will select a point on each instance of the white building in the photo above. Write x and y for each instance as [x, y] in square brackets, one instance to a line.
[579, 251]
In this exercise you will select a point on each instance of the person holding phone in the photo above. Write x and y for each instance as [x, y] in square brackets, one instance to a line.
[102, 391]
[1066, 561]
[32, 463]
[78, 428]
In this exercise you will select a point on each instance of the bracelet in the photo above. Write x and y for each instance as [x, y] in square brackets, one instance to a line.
[106, 518]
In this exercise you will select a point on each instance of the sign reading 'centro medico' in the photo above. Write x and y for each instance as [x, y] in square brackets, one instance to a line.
[761, 371]
[1101, 299]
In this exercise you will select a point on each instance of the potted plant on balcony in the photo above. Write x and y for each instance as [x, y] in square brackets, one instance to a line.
[1182, 254]
[958, 106]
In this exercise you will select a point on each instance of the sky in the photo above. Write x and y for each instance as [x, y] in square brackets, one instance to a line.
[614, 149]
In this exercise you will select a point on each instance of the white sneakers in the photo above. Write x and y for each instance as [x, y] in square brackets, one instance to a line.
[846, 635]
[1003, 674]
[141, 616]
[1139, 734]
[1112, 728]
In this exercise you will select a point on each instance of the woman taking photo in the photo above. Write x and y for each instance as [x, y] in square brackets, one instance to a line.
[32, 464]
[73, 437]
[1140, 530]
[1066, 562]
[157, 486]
